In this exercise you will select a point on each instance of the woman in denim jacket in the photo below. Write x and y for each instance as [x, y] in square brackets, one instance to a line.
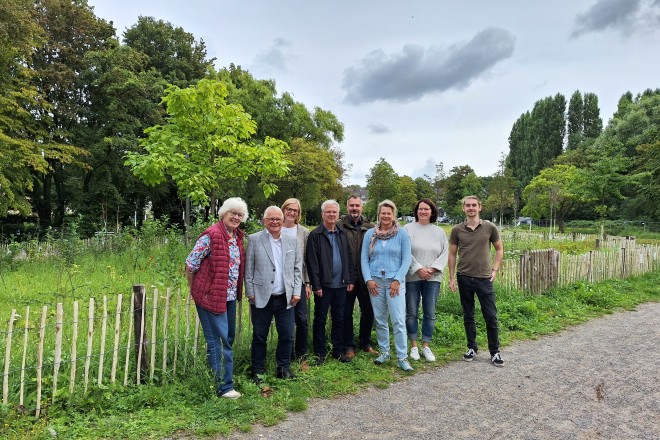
[386, 257]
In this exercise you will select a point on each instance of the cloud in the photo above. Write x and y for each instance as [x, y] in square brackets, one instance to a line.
[415, 72]
[377, 128]
[604, 15]
[427, 169]
[276, 57]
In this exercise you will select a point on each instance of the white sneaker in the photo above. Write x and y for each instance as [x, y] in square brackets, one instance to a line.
[428, 354]
[231, 394]
[414, 354]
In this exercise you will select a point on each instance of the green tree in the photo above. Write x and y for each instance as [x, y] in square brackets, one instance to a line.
[575, 120]
[555, 193]
[501, 195]
[406, 197]
[172, 51]
[205, 143]
[424, 189]
[382, 183]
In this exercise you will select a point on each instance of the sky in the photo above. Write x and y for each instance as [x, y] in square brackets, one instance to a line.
[420, 82]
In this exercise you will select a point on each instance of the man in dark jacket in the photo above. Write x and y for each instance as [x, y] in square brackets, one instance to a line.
[354, 224]
[331, 273]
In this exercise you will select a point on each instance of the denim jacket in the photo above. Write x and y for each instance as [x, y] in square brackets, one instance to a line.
[391, 261]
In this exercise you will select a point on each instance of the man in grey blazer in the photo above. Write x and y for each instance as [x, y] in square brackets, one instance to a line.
[273, 280]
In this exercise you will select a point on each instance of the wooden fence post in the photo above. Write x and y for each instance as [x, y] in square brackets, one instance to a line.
[5, 376]
[58, 347]
[139, 298]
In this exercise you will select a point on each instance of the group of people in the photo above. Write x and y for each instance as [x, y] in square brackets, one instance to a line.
[387, 268]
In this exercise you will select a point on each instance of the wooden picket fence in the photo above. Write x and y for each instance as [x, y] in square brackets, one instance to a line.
[54, 355]
[61, 354]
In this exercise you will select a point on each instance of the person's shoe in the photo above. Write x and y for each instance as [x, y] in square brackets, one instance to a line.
[404, 365]
[350, 353]
[285, 373]
[428, 354]
[342, 358]
[497, 360]
[469, 355]
[231, 394]
[370, 349]
[254, 377]
[414, 353]
[380, 360]
[320, 360]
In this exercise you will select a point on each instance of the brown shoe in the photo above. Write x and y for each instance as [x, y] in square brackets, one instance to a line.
[350, 353]
[370, 349]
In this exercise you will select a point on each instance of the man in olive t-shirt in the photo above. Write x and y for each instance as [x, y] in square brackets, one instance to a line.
[472, 240]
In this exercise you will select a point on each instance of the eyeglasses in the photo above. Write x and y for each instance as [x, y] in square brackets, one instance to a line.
[236, 214]
[291, 210]
[273, 220]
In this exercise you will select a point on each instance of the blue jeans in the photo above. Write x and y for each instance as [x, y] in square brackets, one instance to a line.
[219, 331]
[333, 299]
[483, 287]
[427, 292]
[360, 293]
[383, 304]
[302, 326]
[261, 320]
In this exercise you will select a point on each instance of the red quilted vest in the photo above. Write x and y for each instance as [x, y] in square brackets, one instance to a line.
[209, 287]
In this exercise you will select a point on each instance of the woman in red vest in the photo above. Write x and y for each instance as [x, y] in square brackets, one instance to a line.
[214, 270]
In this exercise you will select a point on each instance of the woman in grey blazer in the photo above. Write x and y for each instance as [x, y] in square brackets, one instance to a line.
[292, 210]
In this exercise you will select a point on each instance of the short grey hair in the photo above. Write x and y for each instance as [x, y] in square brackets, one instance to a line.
[275, 208]
[329, 202]
[234, 204]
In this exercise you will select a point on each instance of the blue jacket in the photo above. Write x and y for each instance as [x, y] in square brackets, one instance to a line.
[391, 261]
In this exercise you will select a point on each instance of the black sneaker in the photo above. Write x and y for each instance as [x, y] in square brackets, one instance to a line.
[497, 360]
[469, 355]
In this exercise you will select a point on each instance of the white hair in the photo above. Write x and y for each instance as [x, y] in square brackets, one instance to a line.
[275, 208]
[234, 204]
[329, 202]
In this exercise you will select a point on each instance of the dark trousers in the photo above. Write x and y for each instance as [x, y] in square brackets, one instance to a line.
[360, 293]
[333, 299]
[302, 326]
[483, 287]
[261, 320]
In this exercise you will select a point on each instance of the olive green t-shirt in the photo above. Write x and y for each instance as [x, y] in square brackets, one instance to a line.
[474, 248]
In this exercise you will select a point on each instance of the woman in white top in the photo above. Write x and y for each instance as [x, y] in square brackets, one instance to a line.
[430, 251]
[292, 211]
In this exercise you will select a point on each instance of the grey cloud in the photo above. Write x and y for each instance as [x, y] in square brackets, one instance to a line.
[604, 15]
[277, 56]
[378, 128]
[414, 72]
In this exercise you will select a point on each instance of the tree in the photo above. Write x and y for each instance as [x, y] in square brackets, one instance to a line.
[575, 122]
[424, 189]
[649, 175]
[71, 31]
[461, 182]
[501, 194]
[406, 197]
[204, 143]
[382, 183]
[172, 51]
[555, 193]
[593, 124]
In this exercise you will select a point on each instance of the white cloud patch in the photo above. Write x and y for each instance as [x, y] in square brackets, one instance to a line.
[415, 72]
[276, 57]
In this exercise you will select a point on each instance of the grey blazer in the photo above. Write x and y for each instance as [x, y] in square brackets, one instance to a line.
[260, 269]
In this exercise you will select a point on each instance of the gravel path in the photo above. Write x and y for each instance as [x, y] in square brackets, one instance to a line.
[599, 380]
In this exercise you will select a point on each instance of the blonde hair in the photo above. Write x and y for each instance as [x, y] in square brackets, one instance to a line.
[291, 201]
[470, 197]
[389, 204]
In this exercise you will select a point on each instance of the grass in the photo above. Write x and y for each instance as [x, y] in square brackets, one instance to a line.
[188, 407]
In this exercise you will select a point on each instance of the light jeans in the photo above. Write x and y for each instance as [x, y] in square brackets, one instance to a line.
[219, 330]
[384, 304]
[427, 292]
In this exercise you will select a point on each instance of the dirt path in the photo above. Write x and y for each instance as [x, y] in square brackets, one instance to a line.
[599, 380]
